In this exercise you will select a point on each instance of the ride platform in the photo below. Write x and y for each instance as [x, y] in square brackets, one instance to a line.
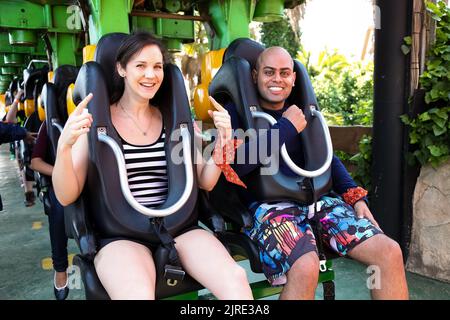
[26, 271]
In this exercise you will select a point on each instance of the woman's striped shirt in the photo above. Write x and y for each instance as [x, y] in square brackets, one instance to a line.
[147, 171]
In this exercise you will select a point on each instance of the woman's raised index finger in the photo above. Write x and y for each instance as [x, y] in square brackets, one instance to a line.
[216, 105]
[83, 104]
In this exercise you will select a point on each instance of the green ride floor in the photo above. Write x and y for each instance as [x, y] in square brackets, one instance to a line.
[25, 265]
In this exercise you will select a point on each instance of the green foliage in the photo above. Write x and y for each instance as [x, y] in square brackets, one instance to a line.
[406, 47]
[363, 163]
[280, 34]
[429, 131]
[344, 90]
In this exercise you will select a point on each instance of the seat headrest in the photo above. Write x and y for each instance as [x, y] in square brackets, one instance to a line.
[105, 55]
[12, 88]
[8, 98]
[245, 48]
[63, 76]
[32, 78]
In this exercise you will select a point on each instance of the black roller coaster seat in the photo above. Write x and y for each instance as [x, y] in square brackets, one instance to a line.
[12, 88]
[33, 81]
[104, 210]
[233, 82]
[53, 97]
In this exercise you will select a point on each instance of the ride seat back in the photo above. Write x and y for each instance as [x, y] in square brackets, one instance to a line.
[34, 80]
[113, 214]
[234, 83]
[102, 202]
[9, 94]
[53, 97]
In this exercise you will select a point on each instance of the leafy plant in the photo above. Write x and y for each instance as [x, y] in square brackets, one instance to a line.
[363, 163]
[360, 163]
[429, 131]
[344, 90]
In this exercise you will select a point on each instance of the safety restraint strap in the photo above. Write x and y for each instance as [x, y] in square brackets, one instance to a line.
[173, 272]
[316, 225]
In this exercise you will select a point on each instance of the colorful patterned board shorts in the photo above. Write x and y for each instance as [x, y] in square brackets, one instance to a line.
[284, 235]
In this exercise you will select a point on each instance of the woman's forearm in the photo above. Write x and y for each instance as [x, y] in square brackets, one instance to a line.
[64, 178]
[208, 174]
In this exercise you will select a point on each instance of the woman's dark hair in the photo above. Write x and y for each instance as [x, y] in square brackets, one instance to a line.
[132, 45]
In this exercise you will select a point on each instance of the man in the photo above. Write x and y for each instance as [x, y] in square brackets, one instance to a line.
[26, 174]
[290, 256]
[13, 132]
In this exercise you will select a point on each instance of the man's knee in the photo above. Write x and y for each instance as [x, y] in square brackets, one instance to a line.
[306, 266]
[393, 250]
[388, 250]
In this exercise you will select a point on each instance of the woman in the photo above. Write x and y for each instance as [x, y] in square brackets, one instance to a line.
[126, 268]
[41, 161]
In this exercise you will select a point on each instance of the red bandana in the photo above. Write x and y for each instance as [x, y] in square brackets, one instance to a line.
[353, 195]
[225, 155]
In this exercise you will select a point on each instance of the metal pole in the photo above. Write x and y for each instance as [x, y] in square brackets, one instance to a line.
[391, 78]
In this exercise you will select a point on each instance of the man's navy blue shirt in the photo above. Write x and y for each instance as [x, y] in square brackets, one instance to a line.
[11, 132]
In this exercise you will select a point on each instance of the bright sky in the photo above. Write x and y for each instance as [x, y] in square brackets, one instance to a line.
[340, 24]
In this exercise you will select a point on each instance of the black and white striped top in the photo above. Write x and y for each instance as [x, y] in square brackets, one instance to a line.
[147, 171]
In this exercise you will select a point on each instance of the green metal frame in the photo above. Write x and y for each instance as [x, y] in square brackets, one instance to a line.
[230, 20]
[23, 24]
[108, 16]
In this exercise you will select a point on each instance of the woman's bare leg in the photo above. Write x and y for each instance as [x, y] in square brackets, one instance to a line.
[126, 270]
[207, 261]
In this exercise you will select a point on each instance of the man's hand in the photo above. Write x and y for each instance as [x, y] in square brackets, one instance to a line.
[362, 211]
[296, 117]
[30, 138]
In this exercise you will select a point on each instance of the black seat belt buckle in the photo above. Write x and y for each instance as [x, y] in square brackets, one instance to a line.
[173, 274]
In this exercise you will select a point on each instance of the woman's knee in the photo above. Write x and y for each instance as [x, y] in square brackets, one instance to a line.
[133, 291]
[236, 276]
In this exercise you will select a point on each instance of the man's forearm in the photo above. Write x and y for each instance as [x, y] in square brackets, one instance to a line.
[11, 132]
